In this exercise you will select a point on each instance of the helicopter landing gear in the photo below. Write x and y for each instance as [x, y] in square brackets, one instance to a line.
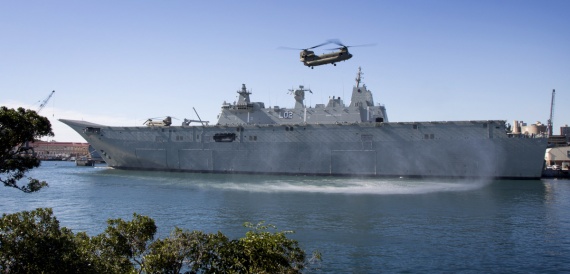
[334, 64]
[311, 67]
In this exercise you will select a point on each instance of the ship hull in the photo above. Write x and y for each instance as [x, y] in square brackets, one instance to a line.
[462, 149]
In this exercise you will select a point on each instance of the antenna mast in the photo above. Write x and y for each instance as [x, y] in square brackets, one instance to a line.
[358, 78]
[550, 122]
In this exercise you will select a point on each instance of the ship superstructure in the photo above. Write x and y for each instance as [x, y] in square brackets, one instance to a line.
[361, 109]
[332, 139]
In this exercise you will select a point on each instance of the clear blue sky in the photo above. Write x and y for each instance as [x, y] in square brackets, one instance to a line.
[121, 62]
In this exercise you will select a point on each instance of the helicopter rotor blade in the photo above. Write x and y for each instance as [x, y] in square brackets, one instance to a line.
[364, 45]
[319, 45]
[336, 41]
[322, 44]
[288, 48]
[162, 117]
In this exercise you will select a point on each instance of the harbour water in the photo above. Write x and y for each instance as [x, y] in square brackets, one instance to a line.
[360, 225]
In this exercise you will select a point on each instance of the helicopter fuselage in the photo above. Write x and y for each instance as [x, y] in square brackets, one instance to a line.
[310, 59]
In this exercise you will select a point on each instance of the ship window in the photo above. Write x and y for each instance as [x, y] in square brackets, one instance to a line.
[431, 136]
[426, 136]
[568, 153]
[415, 126]
[255, 139]
[379, 120]
[485, 125]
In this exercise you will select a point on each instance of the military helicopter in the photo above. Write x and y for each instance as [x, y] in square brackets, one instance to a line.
[310, 59]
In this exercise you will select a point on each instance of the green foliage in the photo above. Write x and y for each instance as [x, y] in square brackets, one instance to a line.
[260, 251]
[128, 240]
[121, 248]
[267, 252]
[18, 128]
[33, 242]
[196, 251]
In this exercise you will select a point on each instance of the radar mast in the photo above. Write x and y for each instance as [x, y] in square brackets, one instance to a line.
[358, 78]
[243, 95]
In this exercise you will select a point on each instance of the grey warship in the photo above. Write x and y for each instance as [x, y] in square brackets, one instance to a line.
[332, 139]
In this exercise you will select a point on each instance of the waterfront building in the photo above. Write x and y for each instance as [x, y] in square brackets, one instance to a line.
[59, 150]
[558, 157]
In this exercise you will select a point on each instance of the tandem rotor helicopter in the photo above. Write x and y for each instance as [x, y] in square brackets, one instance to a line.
[310, 59]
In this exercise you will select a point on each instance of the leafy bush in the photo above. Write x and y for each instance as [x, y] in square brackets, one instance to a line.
[33, 242]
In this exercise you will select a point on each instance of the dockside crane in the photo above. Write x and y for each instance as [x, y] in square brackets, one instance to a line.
[44, 102]
[550, 120]
[27, 147]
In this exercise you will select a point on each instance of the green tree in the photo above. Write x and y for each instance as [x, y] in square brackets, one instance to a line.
[123, 245]
[196, 251]
[33, 242]
[18, 128]
[269, 252]
[260, 251]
